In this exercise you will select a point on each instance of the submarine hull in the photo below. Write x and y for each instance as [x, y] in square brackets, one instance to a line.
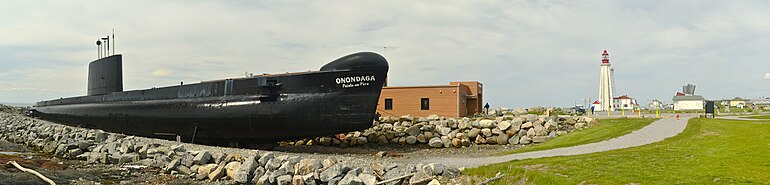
[341, 97]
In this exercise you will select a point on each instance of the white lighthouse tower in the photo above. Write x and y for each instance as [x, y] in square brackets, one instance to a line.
[605, 85]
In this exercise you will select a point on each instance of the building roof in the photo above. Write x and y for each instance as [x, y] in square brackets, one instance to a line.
[623, 97]
[688, 97]
[738, 99]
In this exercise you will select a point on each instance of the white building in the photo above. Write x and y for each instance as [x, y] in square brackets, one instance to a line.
[688, 102]
[738, 102]
[624, 102]
[605, 85]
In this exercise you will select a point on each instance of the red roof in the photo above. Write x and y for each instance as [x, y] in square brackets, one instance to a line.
[679, 94]
[597, 102]
[624, 97]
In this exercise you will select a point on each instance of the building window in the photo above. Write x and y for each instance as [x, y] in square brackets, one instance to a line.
[388, 104]
[425, 103]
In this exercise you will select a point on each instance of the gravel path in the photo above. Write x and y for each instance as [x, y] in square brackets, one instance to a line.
[656, 131]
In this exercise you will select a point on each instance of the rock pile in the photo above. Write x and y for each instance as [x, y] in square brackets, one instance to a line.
[261, 167]
[514, 128]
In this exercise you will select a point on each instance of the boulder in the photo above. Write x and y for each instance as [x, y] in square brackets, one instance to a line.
[457, 142]
[367, 179]
[551, 125]
[332, 172]
[540, 130]
[206, 169]
[413, 130]
[443, 130]
[435, 142]
[259, 172]
[451, 172]
[497, 131]
[525, 140]
[351, 179]
[433, 169]
[421, 138]
[308, 166]
[283, 180]
[245, 172]
[202, 158]
[217, 173]
[526, 125]
[502, 139]
[539, 139]
[231, 168]
[486, 123]
[514, 140]
[411, 139]
[474, 132]
[446, 141]
[171, 165]
[420, 178]
[486, 132]
[504, 125]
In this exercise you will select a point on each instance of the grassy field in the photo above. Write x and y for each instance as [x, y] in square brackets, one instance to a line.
[607, 129]
[709, 151]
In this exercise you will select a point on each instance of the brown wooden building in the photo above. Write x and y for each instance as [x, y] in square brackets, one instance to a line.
[458, 99]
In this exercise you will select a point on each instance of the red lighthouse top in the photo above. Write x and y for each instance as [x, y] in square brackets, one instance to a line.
[605, 57]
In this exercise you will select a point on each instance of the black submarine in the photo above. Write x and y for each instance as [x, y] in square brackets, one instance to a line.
[244, 112]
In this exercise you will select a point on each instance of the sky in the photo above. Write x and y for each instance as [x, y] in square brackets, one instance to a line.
[526, 53]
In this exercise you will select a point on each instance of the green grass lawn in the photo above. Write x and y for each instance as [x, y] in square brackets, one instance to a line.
[709, 151]
[607, 129]
[758, 117]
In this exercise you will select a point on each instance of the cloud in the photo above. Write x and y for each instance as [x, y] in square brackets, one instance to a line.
[767, 76]
[526, 53]
[160, 73]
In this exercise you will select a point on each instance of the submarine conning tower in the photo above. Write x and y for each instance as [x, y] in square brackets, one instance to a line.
[105, 75]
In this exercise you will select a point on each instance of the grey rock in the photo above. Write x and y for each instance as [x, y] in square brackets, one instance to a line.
[283, 180]
[263, 180]
[539, 139]
[435, 142]
[504, 125]
[128, 158]
[443, 130]
[502, 139]
[446, 141]
[433, 168]
[474, 132]
[171, 165]
[486, 132]
[486, 123]
[514, 140]
[350, 179]
[336, 170]
[525, 140]
[420, 178]
[266, 158]
[245, 172]
[184, 170]
[100, 136]
[308, 166]
[413, 130]
[273, 164]
[202, 158]
[74, 153]
[258, 172]
[186, 160]
[411, 139]
[308, 179]
[451, 172]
